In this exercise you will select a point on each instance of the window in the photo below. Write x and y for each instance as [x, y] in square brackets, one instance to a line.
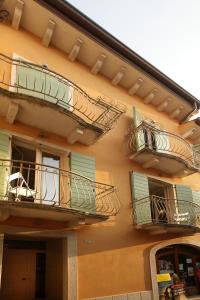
[50, 179]
[35, 174]
[153, 199]
[160, 200]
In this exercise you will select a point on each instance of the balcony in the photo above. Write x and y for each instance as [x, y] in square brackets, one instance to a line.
[161, 215]
[40, 97]
[162, 150]
[40, 191]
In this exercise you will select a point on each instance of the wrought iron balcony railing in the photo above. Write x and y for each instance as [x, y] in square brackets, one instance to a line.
[46, 185]
[157, 210]
[28, 79]
[162, 143]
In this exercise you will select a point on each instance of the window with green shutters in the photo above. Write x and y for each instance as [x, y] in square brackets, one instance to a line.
[41, 83]
[83, 193]
[4, 165]
[150, 205]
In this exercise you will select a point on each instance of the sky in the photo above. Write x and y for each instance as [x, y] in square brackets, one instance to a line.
[164, 32]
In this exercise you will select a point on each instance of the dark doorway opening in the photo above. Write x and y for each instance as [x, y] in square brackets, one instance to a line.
[184, 260]
[40, 275]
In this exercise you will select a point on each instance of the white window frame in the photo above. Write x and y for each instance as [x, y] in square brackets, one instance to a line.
[63, 155]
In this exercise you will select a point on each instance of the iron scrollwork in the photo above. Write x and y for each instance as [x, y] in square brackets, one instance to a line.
[4, 14]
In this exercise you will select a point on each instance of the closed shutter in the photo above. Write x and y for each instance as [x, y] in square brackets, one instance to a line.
[162, 142]
[83, 192]
[140, 190]
[185, 211]
[4, 165]
[35, 82]
[140, 134]
[58, 91]
[30, 81]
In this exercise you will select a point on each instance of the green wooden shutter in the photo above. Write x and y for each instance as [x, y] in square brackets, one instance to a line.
[196, 155]
[140, 135]
[196, 200]
[140, 190]
[162, 142]
[57, 90]
[196, 147]
[196, 197]
[30, 81]
[83, 192]
[185, 210]
[4, 165]
[43, 85]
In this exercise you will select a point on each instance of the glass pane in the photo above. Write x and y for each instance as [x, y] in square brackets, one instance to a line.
[166, 264]
[50, 178]
[186, 270]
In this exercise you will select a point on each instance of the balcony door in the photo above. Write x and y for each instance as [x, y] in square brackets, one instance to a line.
[50, 178]
[35, 174]
[161, 206]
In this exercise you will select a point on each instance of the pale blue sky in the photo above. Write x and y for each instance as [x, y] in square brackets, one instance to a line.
[165, 33]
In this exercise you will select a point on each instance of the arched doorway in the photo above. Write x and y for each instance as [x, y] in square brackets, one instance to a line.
[180, 256]
[184, 260]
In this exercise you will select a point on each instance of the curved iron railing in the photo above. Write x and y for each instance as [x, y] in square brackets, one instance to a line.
[4, 14]
[162, 142]
[43, 184]
[158, 210]
[30, 79]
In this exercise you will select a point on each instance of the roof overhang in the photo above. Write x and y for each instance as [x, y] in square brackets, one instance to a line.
[83, 40]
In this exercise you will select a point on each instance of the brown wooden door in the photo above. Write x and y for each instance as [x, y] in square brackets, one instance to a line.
[18, 280]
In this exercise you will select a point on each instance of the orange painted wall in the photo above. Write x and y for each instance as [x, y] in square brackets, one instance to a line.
[113, 257]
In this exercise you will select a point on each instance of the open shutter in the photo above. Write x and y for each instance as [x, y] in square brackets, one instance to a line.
[4, 165]
[140, 134]
[38, 83]
[83, 192]
[196, 200]
[196, 197]
[140, 190]
[185, 211]
[162, 141]
[196, 155]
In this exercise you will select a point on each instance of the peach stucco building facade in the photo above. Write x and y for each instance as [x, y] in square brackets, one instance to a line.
[96, 148]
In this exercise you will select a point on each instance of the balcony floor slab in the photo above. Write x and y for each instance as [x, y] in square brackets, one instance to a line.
[167, 164]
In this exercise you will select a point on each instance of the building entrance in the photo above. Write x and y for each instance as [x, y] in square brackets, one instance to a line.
[185, 262]
[23, 275]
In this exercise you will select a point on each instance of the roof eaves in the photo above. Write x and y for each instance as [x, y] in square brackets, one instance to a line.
[73, 16]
